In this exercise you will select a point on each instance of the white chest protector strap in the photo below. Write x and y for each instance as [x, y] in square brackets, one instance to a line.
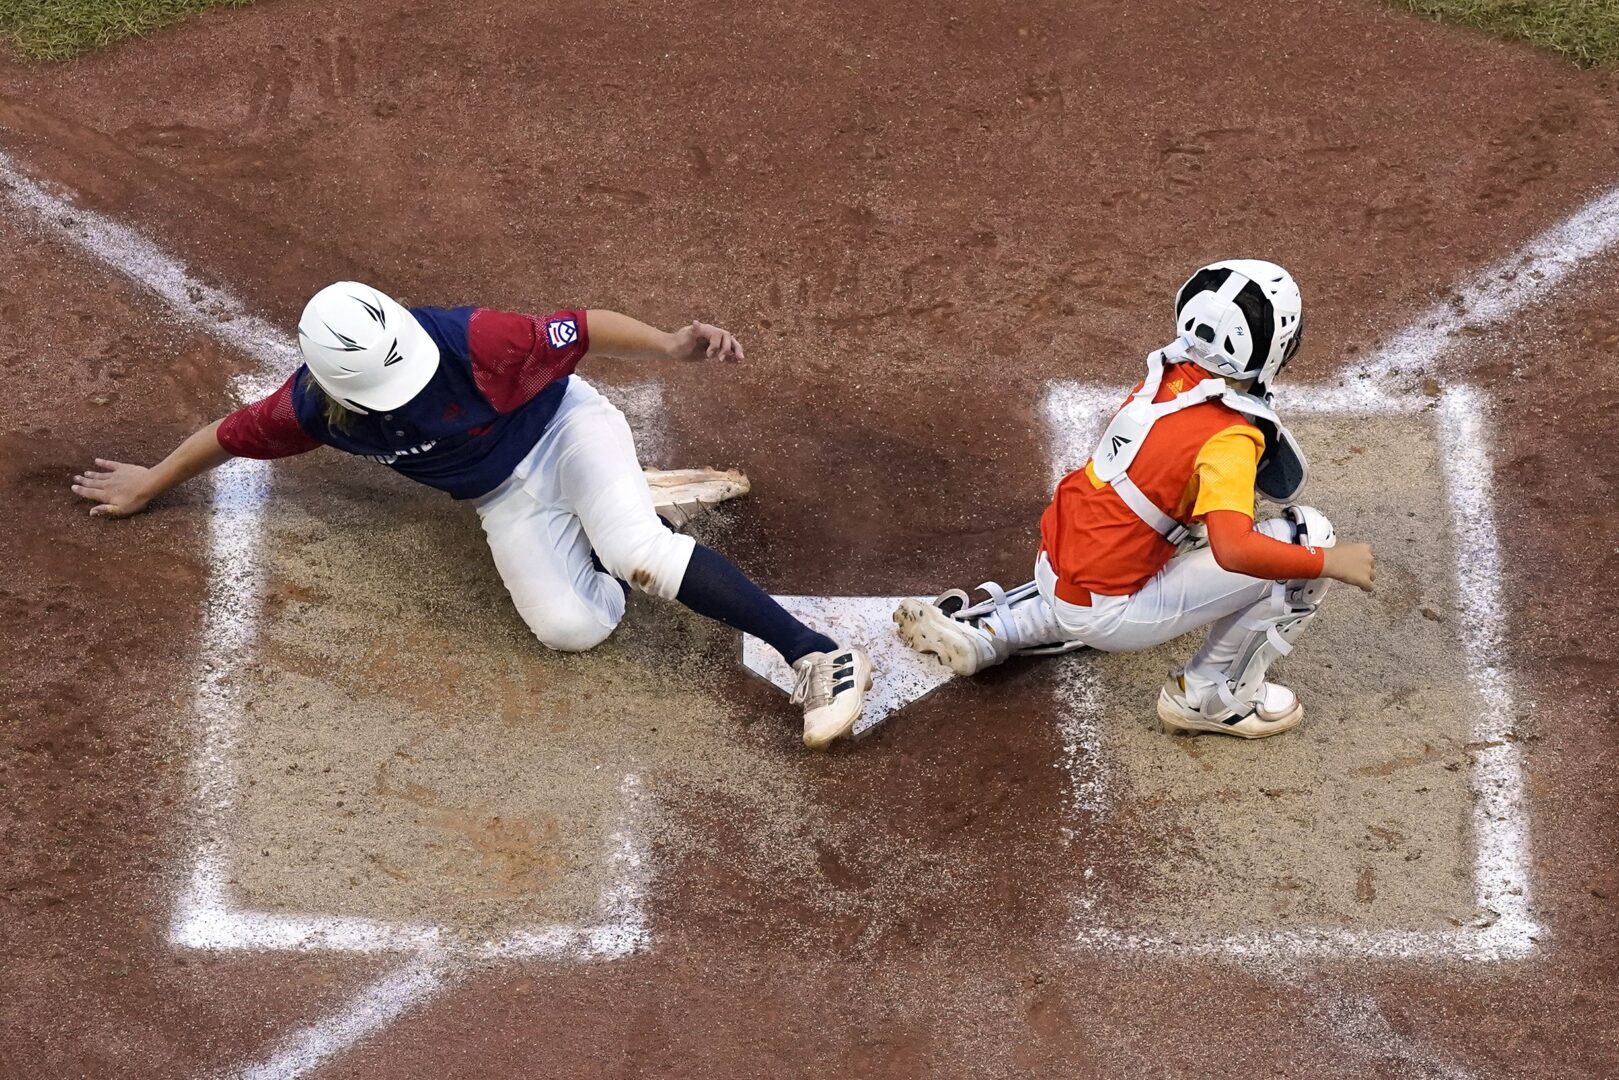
[1282, 471]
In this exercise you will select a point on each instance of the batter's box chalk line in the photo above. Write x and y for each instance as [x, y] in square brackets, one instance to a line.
[205, 918]
[1075, 414]
[205, 915]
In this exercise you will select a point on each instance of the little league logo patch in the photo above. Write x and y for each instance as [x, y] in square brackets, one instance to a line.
[562, 332]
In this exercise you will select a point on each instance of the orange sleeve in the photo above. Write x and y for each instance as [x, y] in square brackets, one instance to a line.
[1241, 550]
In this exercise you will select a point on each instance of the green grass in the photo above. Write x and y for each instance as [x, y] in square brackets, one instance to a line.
[1586, 31]
[58, 29]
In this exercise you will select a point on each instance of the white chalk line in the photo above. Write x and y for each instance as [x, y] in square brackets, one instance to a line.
[371, 1010]
[1500, 818]
[1075, 414]
[1494, 295]
[204, 917]
[1508, 929]
[1357, 1022]
[191, 300]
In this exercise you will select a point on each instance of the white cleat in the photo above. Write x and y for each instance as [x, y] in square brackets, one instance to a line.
[679, 495]
[964, 648]
[832, 689]
[1277, 710]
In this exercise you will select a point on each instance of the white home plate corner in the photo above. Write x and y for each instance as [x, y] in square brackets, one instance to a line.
[902, 675]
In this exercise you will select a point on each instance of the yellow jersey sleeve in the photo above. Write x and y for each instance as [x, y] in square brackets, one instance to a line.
[1226, 470]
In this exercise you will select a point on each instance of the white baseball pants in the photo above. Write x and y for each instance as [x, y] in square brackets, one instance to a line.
[1190, 592]
[580, 490]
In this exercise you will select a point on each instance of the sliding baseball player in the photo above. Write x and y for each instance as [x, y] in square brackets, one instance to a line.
[485, 406]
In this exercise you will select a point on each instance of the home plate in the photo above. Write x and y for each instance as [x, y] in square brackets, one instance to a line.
[900, 675]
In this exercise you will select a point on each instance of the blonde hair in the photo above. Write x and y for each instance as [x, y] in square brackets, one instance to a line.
[337, 417]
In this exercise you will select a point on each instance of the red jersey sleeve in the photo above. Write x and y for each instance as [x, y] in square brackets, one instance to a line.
[516, 356]
[267, 428]
[1241, 550]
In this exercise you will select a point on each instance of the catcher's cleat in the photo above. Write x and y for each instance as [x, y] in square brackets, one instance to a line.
[964, 648]
[1010, 622]
[1277, 709]
[832, 688]
[679, 495]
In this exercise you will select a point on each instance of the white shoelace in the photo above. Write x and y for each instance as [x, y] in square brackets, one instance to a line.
[813, 688]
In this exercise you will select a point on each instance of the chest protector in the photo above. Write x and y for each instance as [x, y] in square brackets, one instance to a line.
[1282, 470]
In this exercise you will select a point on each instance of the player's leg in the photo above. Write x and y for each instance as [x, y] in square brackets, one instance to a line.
[601, 481]
[544, 558]
[1223, 688]
[970, 639]
[1252, 622]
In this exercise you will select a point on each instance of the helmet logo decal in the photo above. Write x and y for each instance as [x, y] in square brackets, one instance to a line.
[375, 311]
[393, 354]
[347, 344]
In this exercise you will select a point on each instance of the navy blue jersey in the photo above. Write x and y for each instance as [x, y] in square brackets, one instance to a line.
[500, 380]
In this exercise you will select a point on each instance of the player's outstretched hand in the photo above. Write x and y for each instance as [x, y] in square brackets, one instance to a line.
[1352, 564]
[701, 341]
[118, 490]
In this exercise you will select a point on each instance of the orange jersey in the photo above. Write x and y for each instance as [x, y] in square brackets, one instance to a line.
[1195, 461]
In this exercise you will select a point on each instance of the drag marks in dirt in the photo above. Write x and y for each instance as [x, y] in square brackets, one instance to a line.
[205, 919]
[1356, 1023]
[192, 301]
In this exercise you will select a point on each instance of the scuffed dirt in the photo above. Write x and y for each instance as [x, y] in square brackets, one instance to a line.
[914, 217]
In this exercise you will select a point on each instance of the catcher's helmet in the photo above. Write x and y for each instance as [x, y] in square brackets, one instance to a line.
[1242, 318]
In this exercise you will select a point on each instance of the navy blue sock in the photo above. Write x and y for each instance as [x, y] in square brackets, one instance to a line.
[715, 588]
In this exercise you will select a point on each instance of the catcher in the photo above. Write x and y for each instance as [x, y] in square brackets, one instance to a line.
[1120, 566]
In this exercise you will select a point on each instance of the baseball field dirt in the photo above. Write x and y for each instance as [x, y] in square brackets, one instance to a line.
[429, 848]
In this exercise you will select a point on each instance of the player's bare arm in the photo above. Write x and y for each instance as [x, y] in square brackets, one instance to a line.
[1240, 549]
[118, 489]
[1352, 564]
[614, 334]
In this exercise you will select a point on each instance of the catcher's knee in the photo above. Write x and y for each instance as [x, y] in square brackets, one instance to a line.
[1308, 527]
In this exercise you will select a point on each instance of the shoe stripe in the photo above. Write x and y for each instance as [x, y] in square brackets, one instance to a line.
[842, 686]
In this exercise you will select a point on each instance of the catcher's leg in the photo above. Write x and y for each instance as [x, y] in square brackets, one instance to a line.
[971, 637]
[1223, 689]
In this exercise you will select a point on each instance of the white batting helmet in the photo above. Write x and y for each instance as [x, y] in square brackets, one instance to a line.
[368, 353]
[1242, 318]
